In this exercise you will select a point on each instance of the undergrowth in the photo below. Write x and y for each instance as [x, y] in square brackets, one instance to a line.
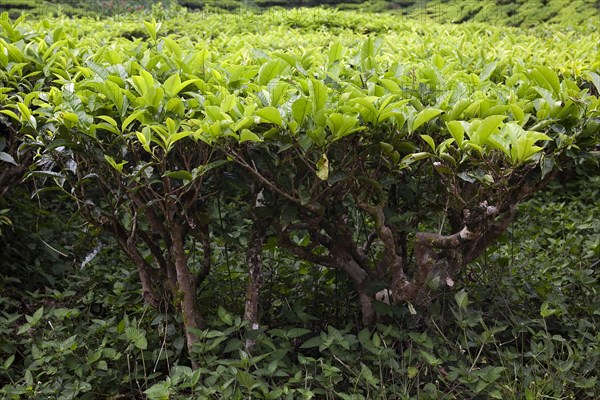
[524, 325]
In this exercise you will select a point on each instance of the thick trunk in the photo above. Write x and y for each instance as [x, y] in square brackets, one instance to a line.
[366, 308]
[158, 228]
[361, 281]
[255, 281]
[145, 278]
[443, 254]
[392, 260]
[166, 265]
[186, 293]
[344, 256]
[127, 243]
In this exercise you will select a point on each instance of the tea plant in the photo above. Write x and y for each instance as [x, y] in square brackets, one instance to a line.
[375, 169]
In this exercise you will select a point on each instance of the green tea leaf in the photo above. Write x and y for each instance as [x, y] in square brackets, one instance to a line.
[551, 77]
[486, 128]
[249, 136]
[429, 141]
[174, 47]
[487, 70]
[300, 109]
[342, 125]
[269, 71]
[181, 174]
[336, 51]
[425, 116]
[152, 28]
[457, 130]
[318, 94]
[270, 114]
[134, 116]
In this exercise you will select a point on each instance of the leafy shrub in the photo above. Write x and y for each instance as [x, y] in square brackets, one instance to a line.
[341, 167]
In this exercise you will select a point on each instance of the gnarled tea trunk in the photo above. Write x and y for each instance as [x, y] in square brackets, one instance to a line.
[255, 280]
[361, 280]
[186, 291]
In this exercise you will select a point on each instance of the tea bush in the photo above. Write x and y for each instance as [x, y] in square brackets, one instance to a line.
[355, 198]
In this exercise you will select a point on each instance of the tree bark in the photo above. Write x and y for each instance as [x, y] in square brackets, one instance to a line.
[341, 258]
[361, 281]
[366, 308]
[255, 280]
[127, 243]
[451, 254]
[186, 291]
